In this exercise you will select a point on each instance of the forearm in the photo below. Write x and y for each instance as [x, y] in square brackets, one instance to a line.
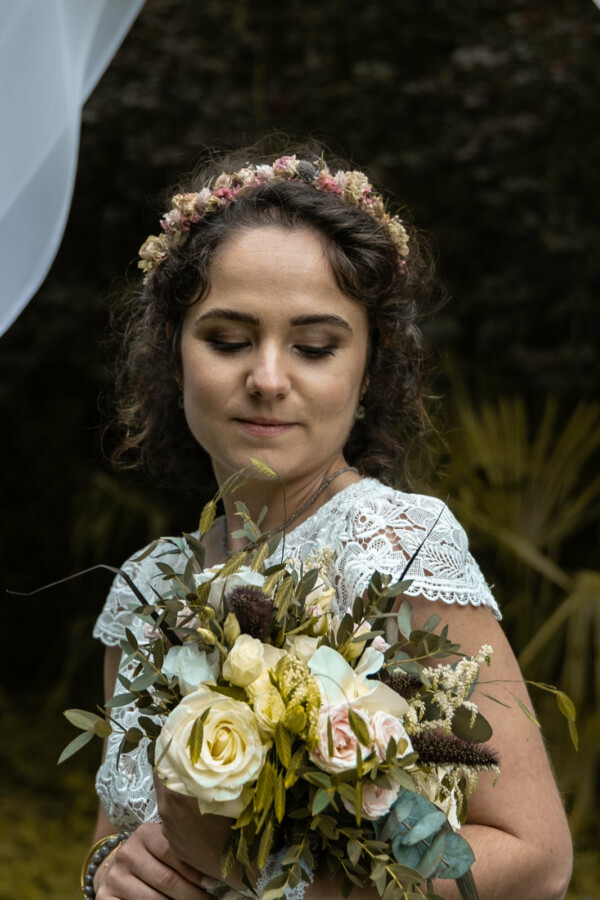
[505, 867]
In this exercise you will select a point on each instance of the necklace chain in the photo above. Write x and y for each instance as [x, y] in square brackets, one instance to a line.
[295, 515]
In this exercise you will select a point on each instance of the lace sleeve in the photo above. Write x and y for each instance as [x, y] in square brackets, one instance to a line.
[116, 615]
[383, 533]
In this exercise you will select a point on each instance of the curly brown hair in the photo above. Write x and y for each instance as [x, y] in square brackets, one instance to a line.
[152, 429]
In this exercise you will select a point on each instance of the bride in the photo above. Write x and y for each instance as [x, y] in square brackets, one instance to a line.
[277, 318]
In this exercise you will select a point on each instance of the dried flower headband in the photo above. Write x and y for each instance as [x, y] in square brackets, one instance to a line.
[352, 187]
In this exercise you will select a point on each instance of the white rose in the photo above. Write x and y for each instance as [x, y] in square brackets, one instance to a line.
[377, 801]
[191, 666]
[222, 586]
[245, 661]
[385, 727]
[271, 656]
[232, 755]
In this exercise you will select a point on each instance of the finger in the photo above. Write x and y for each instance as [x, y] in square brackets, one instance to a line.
[141, 871]
[158, 845]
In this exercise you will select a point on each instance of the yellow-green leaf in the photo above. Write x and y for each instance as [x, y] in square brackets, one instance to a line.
[527, 712]
[207, 516]
[359, 727]
[279, 797]
[263, 467]
[102, 728]
[194, 742]
[266, 843]
[233, 564]
[259, 558]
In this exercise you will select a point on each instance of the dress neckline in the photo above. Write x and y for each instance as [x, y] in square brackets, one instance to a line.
[348, 492]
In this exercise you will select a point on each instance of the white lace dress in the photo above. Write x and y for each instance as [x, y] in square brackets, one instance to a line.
[368, 526]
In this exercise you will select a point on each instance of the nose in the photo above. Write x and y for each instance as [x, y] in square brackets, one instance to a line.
[268, 376]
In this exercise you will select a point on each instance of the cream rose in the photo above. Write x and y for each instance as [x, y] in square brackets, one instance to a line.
[232, 754]
[245, 661]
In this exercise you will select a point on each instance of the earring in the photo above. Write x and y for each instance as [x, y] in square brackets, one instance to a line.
[180, 398]
[180, 401]
[360, 412]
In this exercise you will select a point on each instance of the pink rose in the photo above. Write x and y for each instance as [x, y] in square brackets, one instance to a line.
[344, 740]
[377, 801]
[386, 726]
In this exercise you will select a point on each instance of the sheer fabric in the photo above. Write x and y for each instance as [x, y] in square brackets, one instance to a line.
[368, 526]
[52, 54]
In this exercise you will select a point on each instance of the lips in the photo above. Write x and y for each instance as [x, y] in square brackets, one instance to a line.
[263, 426]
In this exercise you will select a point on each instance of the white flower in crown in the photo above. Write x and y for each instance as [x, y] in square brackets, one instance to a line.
[246, 175]
[202, 198]
[264, 173]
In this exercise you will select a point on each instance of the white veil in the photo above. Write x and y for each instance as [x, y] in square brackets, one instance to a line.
[52, 54]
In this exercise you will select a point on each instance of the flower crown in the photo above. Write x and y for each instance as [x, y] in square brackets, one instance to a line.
[352, 187]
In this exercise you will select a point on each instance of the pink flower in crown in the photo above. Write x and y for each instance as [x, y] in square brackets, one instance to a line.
[225, 195]
[174, 221]
[285, 167]
[329, 184]
[341, 180]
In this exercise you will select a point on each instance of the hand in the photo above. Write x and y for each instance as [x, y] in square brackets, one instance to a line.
[196, 839]
[145, 868]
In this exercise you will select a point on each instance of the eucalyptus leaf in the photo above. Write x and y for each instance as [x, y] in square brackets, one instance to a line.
[425, 827]
[76, 744]
[458, 857]
[431, 860]
[81, 719]
[479, 730]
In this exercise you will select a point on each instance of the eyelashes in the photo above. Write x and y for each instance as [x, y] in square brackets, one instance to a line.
[307, 351]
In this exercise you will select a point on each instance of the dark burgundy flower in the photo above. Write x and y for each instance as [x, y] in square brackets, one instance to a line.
[438, 749]
[252, 609]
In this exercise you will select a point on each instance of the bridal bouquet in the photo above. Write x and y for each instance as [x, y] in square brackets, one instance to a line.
[343, 739]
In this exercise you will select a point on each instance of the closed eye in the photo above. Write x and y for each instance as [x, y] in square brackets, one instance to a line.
[227, 346]
[315, 352]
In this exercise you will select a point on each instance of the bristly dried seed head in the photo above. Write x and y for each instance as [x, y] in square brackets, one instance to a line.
[445, 749]
[252, 609]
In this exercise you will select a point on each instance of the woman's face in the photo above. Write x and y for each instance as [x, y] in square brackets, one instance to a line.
[273, 357]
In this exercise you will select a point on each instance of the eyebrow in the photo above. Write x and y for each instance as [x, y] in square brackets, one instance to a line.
[237, 316]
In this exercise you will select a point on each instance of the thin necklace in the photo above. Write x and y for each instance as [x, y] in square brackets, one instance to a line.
[295, 515]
